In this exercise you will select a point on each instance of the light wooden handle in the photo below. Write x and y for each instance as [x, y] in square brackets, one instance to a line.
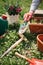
[24, 38]
[21, 56]
[24, 57]
[13, 46]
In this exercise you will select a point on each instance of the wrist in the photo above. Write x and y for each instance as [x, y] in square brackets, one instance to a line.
[31, 12]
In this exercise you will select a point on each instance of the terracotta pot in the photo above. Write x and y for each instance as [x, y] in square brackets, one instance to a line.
[40, 42]
[36, 27]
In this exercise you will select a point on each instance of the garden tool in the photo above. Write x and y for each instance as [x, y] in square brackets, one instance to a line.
[15, 44]
[32, 62]
[25, 25]
[12, 46]
[24, 28]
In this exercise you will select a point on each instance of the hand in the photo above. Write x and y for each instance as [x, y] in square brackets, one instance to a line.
[28, 16]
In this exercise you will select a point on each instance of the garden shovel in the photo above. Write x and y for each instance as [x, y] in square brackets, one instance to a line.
[24, 28]
[32, 62]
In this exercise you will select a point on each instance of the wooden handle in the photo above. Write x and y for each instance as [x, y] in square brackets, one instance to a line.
[24, 38]
[21, 56]
[13, 46]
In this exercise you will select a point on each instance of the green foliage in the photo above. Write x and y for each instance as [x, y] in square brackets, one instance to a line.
[28, 49]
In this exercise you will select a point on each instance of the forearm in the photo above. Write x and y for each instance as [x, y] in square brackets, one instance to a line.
[34, 5]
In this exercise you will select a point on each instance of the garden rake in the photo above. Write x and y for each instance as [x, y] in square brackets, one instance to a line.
[32, 62]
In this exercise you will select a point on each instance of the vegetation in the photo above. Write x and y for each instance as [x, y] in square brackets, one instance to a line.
[29, 49]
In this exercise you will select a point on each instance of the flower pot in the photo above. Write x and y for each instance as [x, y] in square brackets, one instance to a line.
[40, 42]
[36, 28]
[12, 18]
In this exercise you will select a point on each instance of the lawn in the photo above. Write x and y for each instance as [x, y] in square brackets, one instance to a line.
[28, 49]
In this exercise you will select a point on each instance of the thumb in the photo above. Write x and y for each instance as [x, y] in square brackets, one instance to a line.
[29, 17]
[25, 19]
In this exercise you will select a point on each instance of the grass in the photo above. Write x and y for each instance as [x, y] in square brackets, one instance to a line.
[29, 49]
